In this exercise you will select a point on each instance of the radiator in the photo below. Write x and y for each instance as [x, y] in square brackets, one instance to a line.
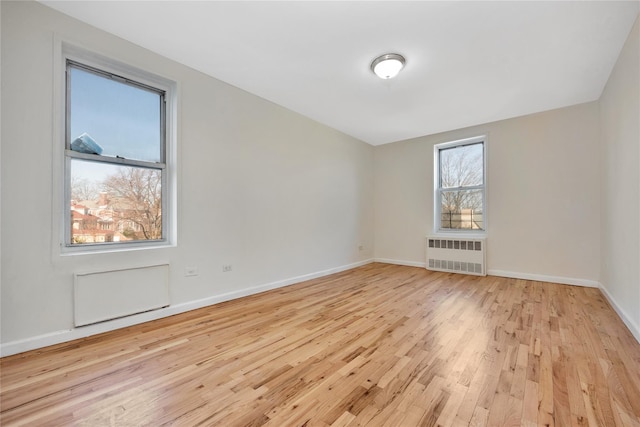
[106, 295]
[457, 255]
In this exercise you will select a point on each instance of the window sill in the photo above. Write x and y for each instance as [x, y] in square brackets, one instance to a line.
[100, 249]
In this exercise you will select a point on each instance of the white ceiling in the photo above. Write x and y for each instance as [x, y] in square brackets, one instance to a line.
[467, 62]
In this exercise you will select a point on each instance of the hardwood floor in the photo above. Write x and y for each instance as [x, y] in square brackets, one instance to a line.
[377, 345]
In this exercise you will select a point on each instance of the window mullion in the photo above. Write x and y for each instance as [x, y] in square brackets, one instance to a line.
[114, 160]
[464, 188]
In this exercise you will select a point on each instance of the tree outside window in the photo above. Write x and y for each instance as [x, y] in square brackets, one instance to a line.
[460, 191]
[115, 150]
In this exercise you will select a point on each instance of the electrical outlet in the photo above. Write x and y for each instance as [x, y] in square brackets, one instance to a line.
[191, 271]
[360, 247]
[226, 268]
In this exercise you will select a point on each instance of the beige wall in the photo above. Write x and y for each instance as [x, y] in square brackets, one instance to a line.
[543, 205]
[276, 195]
[282, 198]
[620, 152]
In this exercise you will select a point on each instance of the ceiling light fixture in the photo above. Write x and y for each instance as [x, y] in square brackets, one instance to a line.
[387, 66]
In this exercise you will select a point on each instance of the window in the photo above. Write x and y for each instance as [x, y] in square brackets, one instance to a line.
[460, 185]
[115, 159]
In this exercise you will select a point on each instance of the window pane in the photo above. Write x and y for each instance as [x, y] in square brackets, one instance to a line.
[113, 203]
[461, 166]
[123, 120]
[462, 209]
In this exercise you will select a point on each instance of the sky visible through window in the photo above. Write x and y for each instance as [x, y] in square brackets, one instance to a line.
[461, 166]
[123, 119]
[461, 186]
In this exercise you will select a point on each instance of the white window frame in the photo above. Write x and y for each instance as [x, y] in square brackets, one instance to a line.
[168, 150]
[437, 190]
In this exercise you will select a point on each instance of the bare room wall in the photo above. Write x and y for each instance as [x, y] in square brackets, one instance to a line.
[620, 153]
[543, 202]
[274, 194]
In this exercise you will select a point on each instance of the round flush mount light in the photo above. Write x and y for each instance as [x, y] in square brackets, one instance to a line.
[387, 66]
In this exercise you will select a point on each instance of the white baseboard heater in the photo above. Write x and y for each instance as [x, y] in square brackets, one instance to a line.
[106, 295]
[457, 255]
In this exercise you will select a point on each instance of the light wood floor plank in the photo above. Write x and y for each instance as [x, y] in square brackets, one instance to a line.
[377, 345]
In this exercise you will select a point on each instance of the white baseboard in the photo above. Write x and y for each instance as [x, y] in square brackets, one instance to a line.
[32, 343]
[626, 319]
[509, 274]
[400, 262]
[544, 278]
[19, 346]
[633, 327]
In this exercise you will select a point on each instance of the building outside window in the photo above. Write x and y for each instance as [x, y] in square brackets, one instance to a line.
[460, 185]
[115, 159]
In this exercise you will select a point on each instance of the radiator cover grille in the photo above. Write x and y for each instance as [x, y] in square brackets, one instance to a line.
[457, 255]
